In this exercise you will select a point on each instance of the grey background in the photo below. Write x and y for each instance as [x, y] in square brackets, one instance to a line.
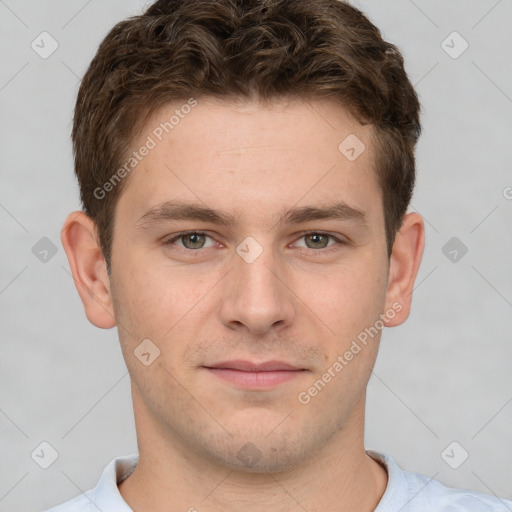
[444, 376]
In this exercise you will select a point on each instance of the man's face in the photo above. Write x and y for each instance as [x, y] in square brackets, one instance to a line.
[258, 289]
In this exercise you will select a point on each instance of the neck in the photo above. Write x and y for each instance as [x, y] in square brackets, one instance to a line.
[341, 476]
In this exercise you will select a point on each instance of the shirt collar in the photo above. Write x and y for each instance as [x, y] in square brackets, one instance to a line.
[396, 493]
[106, 493]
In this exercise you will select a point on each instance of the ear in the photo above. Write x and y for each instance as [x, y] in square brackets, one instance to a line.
[89, 269]
[403, 268]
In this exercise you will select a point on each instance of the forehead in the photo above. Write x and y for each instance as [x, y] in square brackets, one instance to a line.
[250, 156]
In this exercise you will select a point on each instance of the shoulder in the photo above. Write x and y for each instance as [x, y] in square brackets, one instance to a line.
[105, 497]
[414, 492]
[425, 491]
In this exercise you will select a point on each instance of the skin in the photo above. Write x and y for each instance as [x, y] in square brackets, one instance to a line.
[298, 302]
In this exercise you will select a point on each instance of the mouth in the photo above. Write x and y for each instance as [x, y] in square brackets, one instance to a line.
[255, 376]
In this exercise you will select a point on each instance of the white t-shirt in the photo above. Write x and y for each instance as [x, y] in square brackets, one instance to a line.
[405, 492]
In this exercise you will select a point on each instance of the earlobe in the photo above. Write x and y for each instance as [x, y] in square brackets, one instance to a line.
[403, 268]
[88, 268]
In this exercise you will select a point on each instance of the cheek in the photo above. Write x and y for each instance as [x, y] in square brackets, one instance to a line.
[150, 307]
[348, 298]
[152, 300]
[350, 307]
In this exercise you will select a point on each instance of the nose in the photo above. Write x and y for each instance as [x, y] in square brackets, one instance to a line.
[258, 295]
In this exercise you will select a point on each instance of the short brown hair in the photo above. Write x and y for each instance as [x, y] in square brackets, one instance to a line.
[242, 49]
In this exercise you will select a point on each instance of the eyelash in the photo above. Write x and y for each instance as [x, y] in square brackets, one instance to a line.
[327, 249]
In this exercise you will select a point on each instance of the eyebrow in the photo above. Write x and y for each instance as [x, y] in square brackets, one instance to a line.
[176, 211]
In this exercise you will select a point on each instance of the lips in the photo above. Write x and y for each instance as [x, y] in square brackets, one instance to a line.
[255, 376]
[247, 366]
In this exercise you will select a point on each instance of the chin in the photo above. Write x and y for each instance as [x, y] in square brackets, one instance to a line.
[258, 453]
